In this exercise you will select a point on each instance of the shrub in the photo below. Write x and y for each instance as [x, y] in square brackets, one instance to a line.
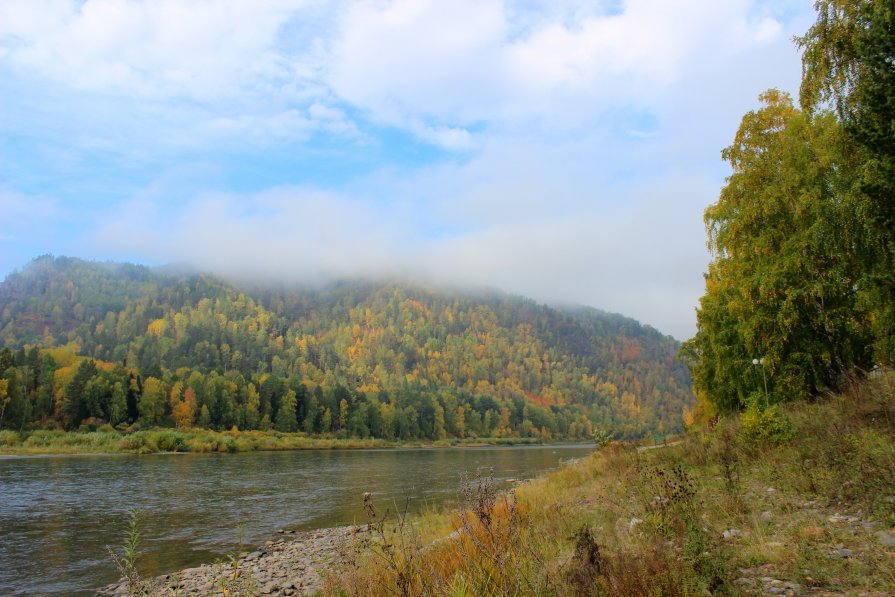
[135, 442]
[767, 426]
[226, 444]
[725, 450]
[9, 438]
[168, 441]
[43, 438]
[90, 424]
[602, 437]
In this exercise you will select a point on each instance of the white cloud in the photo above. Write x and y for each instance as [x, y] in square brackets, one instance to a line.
[290, 232]
[546, 225]
[768, 29]
[161, 48]
[465, 62]
[184, 73]
[587, 134]
[439, 69]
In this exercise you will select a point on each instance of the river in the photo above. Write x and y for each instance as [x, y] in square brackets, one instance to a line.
[58, 514]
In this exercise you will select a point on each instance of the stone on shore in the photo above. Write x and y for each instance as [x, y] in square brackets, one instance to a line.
[293, 565]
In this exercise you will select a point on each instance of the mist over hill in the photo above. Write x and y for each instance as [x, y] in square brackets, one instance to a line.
[124, 344]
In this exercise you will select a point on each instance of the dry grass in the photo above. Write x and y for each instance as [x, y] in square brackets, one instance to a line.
[717, 514]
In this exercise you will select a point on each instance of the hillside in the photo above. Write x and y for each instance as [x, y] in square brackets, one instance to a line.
[354, 359]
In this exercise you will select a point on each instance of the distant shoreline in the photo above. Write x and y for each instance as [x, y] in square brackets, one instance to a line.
[200, 441]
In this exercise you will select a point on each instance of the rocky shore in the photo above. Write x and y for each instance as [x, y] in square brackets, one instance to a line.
[292, 565]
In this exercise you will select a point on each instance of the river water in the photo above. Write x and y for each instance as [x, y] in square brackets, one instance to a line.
[58, 514]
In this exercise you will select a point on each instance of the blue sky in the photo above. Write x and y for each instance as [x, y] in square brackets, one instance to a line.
[562, 150]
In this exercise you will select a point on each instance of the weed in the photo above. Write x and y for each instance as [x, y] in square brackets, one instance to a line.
[126, 562]
[229, 578]
[622, 522]
[394, 547]
[672, 507]
[496, 541]
[587, 564]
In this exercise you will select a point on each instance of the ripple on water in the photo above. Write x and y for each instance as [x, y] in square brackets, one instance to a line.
[58, 514]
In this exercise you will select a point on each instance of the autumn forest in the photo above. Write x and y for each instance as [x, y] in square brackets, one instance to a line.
[92, 345]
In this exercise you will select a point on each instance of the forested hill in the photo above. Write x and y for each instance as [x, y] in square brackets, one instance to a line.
[87, 343]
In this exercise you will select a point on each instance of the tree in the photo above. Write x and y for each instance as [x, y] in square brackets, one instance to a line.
[182, 415]
[97, 397]
[286, 416]
[4, 398]
[326, 421]
[343, 414]
[438, 430]
[460, 422]
[73, 406]
[252, 407]
[848, 60]
[152, 401]
[781, 285]
[118, 404]
[310, 422]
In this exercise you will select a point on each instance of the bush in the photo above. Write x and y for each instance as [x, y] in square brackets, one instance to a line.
[44, 438]
[765, 426]
[168, 441]
[226, 444]
[91, 424]
[9, 438]
[602, 437]
[134, 442]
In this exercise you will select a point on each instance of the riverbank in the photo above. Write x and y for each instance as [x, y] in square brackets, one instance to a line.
[154, 441]
[796, 501]
[291, 565]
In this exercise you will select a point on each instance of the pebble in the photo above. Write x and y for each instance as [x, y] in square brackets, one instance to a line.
[293, 565]
[887, 538]
[730, 533]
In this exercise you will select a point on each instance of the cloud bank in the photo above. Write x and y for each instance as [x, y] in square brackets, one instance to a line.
[562, 150]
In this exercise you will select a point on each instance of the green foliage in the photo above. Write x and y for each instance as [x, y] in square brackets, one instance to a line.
[848, 60]
[765, 425]
[127, 560]
[803, 234]
[602, 437]
[286, 416]
[168, 441]
[9, 438]
[780, 285]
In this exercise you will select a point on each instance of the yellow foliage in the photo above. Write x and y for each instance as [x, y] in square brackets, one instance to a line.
[63, 356]
[182, 413]
[701, 413]
[157, 327]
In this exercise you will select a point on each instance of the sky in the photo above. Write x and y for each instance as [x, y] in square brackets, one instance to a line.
[562, 150]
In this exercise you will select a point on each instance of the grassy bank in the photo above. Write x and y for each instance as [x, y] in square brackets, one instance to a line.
[203, 440]
[800, 501]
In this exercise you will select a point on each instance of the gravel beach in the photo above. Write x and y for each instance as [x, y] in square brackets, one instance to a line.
[292, 565]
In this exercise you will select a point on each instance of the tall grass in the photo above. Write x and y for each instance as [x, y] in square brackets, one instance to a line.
[725, 510]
